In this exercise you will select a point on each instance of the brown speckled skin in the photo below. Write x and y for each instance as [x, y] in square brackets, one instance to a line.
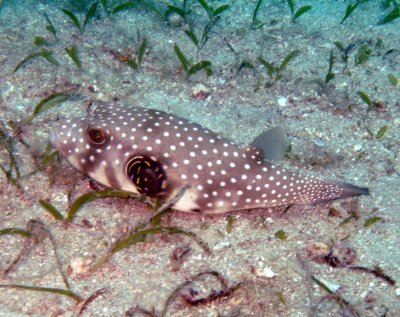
[222, 176]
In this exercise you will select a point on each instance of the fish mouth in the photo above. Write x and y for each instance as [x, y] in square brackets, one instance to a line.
[53, 136]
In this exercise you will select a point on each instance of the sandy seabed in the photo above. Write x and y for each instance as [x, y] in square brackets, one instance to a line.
[253, 271]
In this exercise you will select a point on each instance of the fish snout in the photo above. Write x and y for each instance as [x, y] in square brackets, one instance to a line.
[68, 137]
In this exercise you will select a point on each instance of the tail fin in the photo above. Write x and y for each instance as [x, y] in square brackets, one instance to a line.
[324, 190]
[339, 190]
[350, 190]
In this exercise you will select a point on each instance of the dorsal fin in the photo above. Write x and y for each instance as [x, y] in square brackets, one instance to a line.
[270, 145]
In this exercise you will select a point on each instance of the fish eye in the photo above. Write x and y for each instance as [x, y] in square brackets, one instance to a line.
[97, 135]
[147, 175]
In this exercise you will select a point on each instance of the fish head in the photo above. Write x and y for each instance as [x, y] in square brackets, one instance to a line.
[93, 145]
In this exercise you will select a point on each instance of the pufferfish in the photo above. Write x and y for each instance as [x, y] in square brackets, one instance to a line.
[153, 153]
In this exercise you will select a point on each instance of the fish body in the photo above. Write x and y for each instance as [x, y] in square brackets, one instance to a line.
[155, 154]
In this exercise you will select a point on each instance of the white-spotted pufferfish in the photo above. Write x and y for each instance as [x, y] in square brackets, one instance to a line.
[155, 154]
